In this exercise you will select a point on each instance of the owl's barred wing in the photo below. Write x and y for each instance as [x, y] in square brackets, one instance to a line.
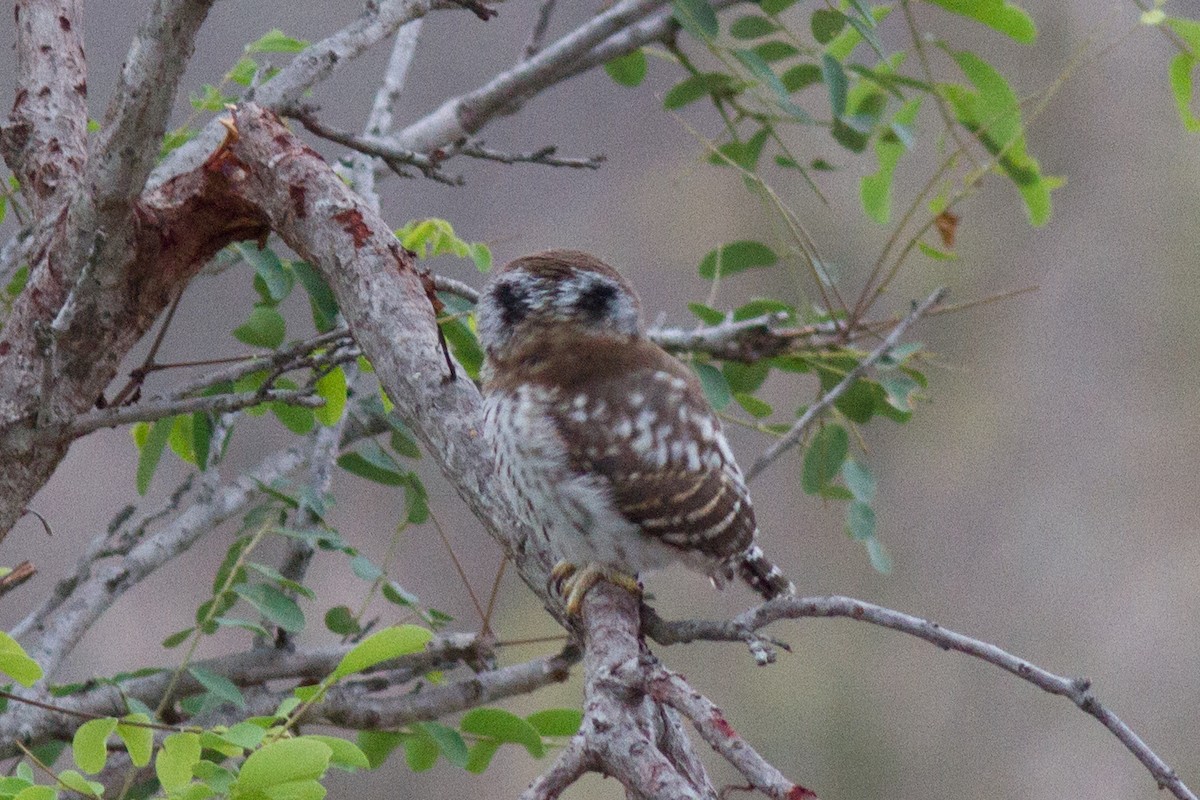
[653, 438]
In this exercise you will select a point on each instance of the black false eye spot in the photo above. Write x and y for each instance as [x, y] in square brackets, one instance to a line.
[514, 307]
[596, 300]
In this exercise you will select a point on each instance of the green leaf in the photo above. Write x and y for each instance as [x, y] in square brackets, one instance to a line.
[696, 17]
[835, 80]
[37, 793]
[371, 462]
[860, 521]
[16, 663]
[859, 481]
[264, 328]
[340, 620]
[138, 739]
[827, 23]
[378, 745]
[365, 568]
[344, 754]
[762, 71]
[77, 783]
[800, 77]
[850, 38]
[332, 388]
[556, 721]
[320, 296]
[448, 741]
[709, 316]
[824, 457]
[89, 746]
[276, 41]
[481, 755]
[1000, 15]
[745, 378]
[177, 638]
[629, 69]
[880, 560]
[993, 114]
[16, 284]
[899, 388]
[481, 254]
[1182, 67]
[218, 685]
[173, 765]
[210, 99]
[694, 87]
[464, 345]
[277, 278]
[284, 761]
[716, 388]
[753, 406]
[382, 646]
[876, 189]
[736, 257]
[242, 73]
[156, 440]
[505, 726]
[420, 751]
[752, 26]
[775, 6]
[272, 604]
[180, 439]
[244, 624]
[297, 419]
[775, 51]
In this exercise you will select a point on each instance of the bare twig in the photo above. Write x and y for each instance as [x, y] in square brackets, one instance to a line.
[546, 156]
[160, 409]
[797, 431]
[395, 158]
[17, 576]
[540, 25]
[379, 121]
[1077, 690]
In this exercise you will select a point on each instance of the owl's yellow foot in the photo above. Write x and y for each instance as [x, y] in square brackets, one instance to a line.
[572, 583]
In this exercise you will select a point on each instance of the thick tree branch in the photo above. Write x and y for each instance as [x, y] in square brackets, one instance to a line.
[462, 116]
[45, 140]
[133, 126]
[1077, 690]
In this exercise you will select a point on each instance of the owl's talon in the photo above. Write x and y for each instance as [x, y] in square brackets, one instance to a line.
[573, 583]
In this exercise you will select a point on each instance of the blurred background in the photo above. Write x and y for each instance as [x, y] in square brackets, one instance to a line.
[1044, 497]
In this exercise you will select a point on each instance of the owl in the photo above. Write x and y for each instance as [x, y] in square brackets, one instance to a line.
[605, 444]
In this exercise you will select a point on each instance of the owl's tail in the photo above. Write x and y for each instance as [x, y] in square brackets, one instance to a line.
[763, 576]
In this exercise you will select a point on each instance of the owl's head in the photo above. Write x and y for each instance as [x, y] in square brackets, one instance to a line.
[557, 287]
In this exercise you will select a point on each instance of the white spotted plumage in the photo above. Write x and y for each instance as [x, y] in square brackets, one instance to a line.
[605, 444]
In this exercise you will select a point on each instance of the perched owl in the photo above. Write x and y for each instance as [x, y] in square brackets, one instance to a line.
[605, 443]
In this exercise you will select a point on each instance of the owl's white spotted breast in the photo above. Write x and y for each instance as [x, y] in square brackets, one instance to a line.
[575, 512]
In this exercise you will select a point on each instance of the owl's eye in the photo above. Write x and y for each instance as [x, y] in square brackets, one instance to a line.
[514, 306]
[596, 300]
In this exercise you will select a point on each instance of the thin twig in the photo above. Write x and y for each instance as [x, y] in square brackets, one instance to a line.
[797, 431]
[1077, 690]
[540, 25]
[545, 156]
[395, 157]
[160, 409]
